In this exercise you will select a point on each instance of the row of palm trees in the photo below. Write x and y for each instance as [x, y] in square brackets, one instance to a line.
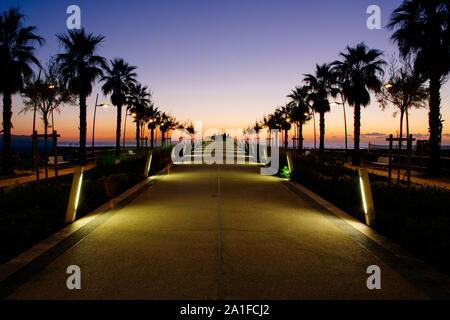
[145, 114]
[80, 67]
[69, 74]
[352, 78]
[420, 29]
[422, 35]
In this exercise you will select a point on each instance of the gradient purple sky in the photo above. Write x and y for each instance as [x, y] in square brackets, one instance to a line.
[224, 62]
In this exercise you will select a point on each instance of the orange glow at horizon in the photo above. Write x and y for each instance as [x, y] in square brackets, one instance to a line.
[375, 123]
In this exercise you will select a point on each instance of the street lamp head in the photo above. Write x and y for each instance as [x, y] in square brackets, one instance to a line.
[134, 114]
[335, 103]
[388, 85]
[51, 86]
[104, 105]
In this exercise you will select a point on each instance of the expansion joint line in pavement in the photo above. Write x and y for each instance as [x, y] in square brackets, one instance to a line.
[219, 271]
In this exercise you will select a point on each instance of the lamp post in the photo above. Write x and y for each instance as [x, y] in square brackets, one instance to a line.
[163, 130]
[133, 114]
[151, 125]
[286, 138]
[52, 87]
[95, 112]
[335, 103]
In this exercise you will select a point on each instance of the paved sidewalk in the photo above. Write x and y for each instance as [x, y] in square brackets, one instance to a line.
[218, 232]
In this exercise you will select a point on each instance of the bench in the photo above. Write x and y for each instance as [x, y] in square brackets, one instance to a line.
[60, 159]
[382, 161]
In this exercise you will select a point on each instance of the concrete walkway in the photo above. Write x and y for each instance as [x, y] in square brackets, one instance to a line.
[217, 232]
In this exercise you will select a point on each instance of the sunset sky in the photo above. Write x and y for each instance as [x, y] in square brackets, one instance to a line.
[224, 62]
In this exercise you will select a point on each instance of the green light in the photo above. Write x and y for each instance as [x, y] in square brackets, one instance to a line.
[285, 173]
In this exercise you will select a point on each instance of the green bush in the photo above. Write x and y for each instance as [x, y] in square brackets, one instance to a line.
[106, 159]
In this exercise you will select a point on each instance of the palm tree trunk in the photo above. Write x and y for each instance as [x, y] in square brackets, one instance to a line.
[83, 128]
[286, 139]
[407, 124]
[257, 147]
[400, 145]
[357, 117]
[434, 124]
[322, 131]
[300, 136]
[7, 114]
[118, 127]
[45, 146]
[137, 135]
[315, 135]
[151, 138]
[142, 135]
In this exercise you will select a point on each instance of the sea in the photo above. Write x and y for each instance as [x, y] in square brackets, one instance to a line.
[23, 144]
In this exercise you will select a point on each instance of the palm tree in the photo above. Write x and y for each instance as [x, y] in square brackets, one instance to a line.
[257, 126]
[282, 117]
[162, 120]
[320, 86]
[167, 123]
[189, 127]
[80, 67]
[17, 44]
[154, 115]
[118, 80]
[270, 122]
[301, 111]
[422, 29]
[358, 74]
[46, 96]
[138, 100]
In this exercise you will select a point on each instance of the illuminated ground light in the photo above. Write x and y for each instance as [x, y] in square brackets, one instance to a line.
[366, 194]
[148, 163]
[363, 195]
[75, 193]
[78, 192]
[289, 161]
